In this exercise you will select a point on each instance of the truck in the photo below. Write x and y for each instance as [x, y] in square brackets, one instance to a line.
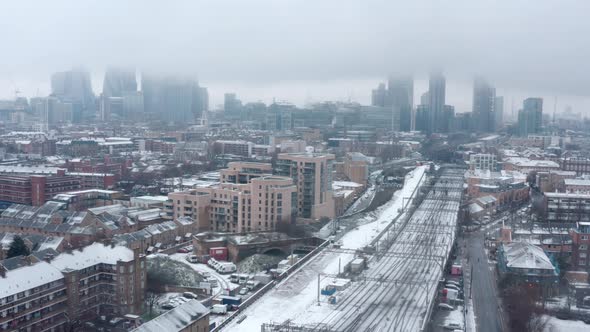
[219, 253]
[219, 309]
[230, 300]
[450, 294]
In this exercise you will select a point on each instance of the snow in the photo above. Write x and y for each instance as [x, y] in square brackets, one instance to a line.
[299, 290]
[559, 325]
[222, 280]
[91, 255]
[28, 277]
[176, 319]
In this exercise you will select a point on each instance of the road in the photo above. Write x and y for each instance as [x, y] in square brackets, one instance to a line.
[484, 286]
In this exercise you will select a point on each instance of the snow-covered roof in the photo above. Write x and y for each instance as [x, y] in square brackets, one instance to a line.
[28, 277]
[526, 256]
[475, 208]
[91, 255]
[345, 184]
[176, 319]
[576, 182]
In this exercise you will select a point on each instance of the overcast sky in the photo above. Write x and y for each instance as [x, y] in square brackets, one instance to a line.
[307, 50]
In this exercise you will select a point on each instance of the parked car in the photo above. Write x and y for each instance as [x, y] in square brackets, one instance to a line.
[452, 325]
[167, 306]
[182, 251]
[453, 286]
[115, 321]
[219, 309]
[243, 291]
[444, 306]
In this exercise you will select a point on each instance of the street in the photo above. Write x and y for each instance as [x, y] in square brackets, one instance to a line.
[484, 287]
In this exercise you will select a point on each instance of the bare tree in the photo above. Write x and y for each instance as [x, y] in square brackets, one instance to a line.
[152, 299]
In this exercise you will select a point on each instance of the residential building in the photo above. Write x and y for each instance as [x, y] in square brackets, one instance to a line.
[526, 165]
[356, 167]
[81, 285]
[508, 188]
[566, 209]
[580, 248]
[482, 161]
[244, 172]
[312, 174]
[580, 186]
[266, 203]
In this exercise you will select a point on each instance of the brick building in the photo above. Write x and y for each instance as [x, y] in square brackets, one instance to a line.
[46, 293]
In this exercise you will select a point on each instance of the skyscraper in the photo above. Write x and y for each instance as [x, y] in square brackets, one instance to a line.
[436, 102]
[401, 97]
[499, 111]
[530, 118]
[118, 82]
[171, 98]
[483, 106]
[379, 96]
[74, 87]
[232, 106]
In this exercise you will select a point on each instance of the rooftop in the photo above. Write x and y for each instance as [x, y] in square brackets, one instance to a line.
[91, 255]
[526, 256]
[176, 319]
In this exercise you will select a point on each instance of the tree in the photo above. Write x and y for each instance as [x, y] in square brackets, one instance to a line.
[18, 248]
[151, 299]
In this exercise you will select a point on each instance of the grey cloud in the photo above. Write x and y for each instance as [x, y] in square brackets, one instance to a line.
[523, 45]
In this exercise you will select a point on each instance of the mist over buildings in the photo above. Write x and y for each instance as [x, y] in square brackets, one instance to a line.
[298, 50]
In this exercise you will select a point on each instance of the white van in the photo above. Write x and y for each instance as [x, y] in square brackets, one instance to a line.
[192, 258]
[219, 309]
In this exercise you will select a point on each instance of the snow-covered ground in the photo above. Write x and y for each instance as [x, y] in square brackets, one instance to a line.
[559, 325]
[295, 298]
[222, 280]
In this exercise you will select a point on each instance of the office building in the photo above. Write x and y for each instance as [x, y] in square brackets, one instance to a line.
[74, 87]
[499, 111]
[436, 101]
[118, 82]
[484, 96]
[482, 161]
[279, 116]
[530, 118]
[171, 99]
[232, 106]
[312, 173]
[401, 97]
[379, 96]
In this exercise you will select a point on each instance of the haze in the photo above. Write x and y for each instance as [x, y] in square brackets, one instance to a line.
[305, 50]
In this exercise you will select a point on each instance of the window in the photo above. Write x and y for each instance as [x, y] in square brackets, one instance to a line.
[582, 262]
[583, 247]
[583, 255]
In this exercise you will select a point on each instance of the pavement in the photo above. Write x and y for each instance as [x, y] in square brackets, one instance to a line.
[484, 291]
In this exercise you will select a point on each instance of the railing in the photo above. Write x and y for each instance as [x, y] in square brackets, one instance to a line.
[282, 277]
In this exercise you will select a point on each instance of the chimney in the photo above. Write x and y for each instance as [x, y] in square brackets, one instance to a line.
[48, 257]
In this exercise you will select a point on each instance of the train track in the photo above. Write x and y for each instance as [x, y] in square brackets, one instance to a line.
[404, 282]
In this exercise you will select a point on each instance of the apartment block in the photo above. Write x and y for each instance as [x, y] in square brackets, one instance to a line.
[243, 172]
[47, 293]
[567, 208]
[261, 205]
[312, 174]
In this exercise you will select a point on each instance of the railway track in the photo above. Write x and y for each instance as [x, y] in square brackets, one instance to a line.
[400, 295]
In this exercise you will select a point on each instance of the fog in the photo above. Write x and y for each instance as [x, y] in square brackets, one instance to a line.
[306, 50]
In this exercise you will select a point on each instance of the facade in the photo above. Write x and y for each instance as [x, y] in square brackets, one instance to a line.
[507, 188]
[530, 118]
[356, 167]
[499, 111]
[526, 165]
[581, 186]
[565, 208]
[244, 172]
[35, 189]
[98, 280]
[436, 102]
[118, 82]
[171, 99]
[266, 203]
[580, 246]
[578, 165]
[238, 148]
[483, 106]
[232, 106]
[482, 161]
[312, 174]
[74, 87]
